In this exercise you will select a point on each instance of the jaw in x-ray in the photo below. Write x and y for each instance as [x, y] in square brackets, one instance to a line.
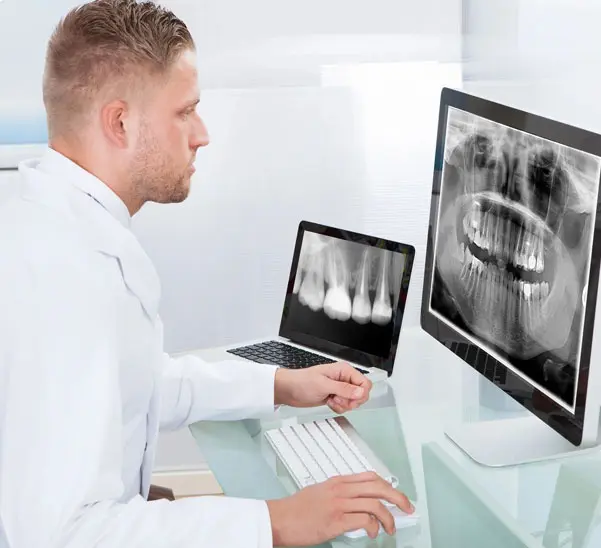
[347, 280]
[513, 241]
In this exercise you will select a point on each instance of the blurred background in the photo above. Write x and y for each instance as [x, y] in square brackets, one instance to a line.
[324, 110]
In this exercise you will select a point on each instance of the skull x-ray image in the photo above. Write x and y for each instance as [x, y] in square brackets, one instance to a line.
[513, 247]
[347, 292]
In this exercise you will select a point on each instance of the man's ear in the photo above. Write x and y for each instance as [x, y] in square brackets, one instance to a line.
[114, 118]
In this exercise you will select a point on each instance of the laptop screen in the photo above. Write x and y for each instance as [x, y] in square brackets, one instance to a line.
[347, 293]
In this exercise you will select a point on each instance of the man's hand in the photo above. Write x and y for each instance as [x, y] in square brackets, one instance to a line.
[338, 385]
[326, 510]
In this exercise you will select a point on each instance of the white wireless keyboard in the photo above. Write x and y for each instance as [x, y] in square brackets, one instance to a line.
[316, 451]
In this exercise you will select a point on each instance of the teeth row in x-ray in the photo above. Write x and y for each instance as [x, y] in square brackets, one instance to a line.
[497, 289]
[324, 281]
[505, 240]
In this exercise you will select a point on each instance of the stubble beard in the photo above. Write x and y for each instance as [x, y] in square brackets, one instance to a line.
[154, 178]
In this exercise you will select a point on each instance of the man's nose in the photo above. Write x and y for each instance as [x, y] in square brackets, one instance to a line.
[200, 137]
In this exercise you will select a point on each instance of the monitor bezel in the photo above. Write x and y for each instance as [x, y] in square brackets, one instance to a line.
[567, 424]
[338, 351]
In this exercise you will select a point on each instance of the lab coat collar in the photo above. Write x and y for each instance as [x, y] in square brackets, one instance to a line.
[114, 239]
[56, 164]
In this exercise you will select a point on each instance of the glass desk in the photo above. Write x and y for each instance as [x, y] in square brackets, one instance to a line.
[462, 504]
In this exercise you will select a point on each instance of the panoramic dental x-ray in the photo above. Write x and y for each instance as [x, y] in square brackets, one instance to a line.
[513, 247]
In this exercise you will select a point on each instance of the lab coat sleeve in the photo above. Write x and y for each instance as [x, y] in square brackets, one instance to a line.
[61, 438]
[195, 390]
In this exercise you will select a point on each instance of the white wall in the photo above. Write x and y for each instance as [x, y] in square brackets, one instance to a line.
[277, 156]
[543, 56]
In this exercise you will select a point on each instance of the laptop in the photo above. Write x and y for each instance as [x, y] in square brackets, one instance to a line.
[344, 301]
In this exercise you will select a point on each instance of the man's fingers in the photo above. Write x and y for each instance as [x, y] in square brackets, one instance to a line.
[358, 478]
[348, 373]
[346, 390]
[336, 407]
[379, 489]
[373, 507]
[352, 522]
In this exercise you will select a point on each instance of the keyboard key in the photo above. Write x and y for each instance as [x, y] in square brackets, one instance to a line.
[324, 463]
[325, 447]
[303, 454]
[350, 444]
[352, 464]
[295, 466]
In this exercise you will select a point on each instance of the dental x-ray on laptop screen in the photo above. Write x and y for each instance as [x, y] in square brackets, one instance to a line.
[512, 265]
[344, 301]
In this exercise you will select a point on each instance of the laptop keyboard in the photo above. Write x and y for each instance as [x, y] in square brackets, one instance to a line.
[282, 354]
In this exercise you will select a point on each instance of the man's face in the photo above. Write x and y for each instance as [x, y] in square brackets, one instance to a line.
[169, 134]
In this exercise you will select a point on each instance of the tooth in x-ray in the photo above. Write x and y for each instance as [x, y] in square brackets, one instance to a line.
[361, 302]
[337, 303]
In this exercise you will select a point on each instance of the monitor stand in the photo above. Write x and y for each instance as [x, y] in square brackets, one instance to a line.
[513, 441]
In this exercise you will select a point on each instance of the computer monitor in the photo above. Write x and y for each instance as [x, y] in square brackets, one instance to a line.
[512, 269]
[346, 294]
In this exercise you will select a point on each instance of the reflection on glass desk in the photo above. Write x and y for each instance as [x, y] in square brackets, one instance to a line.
[245, 464]
[554, 504]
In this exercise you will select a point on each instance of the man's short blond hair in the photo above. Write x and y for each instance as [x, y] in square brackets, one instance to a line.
[102, 44]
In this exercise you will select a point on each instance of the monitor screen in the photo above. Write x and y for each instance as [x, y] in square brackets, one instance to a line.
[510, 250]
[347, 293]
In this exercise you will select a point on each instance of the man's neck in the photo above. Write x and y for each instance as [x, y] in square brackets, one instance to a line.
[78, 156]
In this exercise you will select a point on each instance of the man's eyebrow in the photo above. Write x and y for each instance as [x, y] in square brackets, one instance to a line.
[191, 104]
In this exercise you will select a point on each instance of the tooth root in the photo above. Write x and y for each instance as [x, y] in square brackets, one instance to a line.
[517, 249]
[505, 303]
[491, 232]
[492, 288]
[297, 281]
[521, 250]
[485, 231]
[545, 289]
[514, 302]
[523, 305]
[494, 236]
[511, 237]
[473, 278]
[461, 251]
[465, 270]
[534, 307]
[517, 242]
[495, 289]
[540, 253]
[486, 286]
[312, 290]
[337, 302]
[506, 300]
[467, 262]
[505, 240]
[519, 303]
[382, 310]
[499, 238]
[361, 310]
[529, 248]
[481, 286]
[474, 218]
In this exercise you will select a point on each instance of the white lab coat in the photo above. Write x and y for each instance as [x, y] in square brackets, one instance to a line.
[85, 384]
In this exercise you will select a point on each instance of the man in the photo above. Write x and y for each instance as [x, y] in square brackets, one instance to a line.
[84, 383]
